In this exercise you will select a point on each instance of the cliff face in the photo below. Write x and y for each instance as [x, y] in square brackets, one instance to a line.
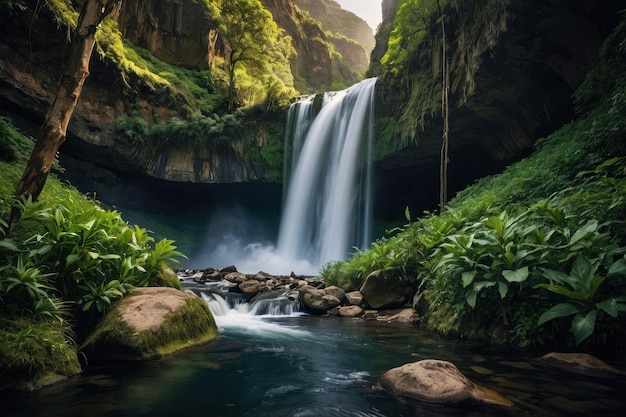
[514, 66]
[345, 24]
[179, 32]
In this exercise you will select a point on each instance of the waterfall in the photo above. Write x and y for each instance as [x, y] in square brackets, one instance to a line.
[327, 204]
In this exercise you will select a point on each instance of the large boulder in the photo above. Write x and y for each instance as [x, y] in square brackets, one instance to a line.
[317, 300]
[150, 323]
[383, 289]
[438, 382]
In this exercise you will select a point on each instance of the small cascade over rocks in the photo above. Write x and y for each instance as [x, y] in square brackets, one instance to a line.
[228, 291]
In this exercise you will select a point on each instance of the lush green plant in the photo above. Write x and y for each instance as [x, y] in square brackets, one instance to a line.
[90, 258]
[580, 287]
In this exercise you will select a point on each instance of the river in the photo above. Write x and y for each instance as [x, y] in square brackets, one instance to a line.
[299, 365]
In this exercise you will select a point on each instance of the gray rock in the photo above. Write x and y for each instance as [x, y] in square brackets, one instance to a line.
[350, 311]
[315, 299]
[250, 287]
[581, 363]
[354, 298]
[337, 292]
[408, 315]
[235, 277]
[438, 382]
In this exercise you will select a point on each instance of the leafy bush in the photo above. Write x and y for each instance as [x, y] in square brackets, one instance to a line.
[90, 258]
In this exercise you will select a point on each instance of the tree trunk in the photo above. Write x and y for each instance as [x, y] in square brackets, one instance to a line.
[54, 128]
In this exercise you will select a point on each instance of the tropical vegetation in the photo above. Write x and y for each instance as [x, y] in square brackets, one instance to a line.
[535, 256]
[61, 268]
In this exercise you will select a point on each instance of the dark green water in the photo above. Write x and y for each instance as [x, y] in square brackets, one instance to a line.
[313, 366]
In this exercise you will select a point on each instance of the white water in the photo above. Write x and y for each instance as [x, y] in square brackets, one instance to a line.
[243, 317]
[327, 207]
[327, 180]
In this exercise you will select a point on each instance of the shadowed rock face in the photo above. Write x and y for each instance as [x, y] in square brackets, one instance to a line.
[511, 84]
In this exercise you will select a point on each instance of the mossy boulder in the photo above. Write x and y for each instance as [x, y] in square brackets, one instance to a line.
[34, 355]
[151, 323]
[384, 289]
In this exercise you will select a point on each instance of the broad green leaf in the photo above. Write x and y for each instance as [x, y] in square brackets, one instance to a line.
[407, 214]
[559, 310]
[468, 277]
[110, 256]
[618, 268]
[554, 276]
[609, 306]
[510, 258]
[503, 289]
[595, 284]
[483, 284]
[561, 290]
[89, 224]
[621, 303]
[71, 258]
[8, 244]
[518, 275]
[93, 255]
[583, 325]
[470, 297]
[590, 227]
[582, 275]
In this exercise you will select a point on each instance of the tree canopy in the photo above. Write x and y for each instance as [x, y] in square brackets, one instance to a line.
[255, 46]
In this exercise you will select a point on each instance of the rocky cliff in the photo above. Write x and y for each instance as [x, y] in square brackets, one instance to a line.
[514, 66]
[345, 28]
[178, 32]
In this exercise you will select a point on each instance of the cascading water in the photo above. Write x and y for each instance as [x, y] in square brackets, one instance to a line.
[327, 206]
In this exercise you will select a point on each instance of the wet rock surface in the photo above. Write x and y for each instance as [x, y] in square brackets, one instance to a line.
[313, 294]
[438, 382]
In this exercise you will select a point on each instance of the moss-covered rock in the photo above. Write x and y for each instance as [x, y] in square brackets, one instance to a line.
[33, 355]
[151, 323]
[384, 289]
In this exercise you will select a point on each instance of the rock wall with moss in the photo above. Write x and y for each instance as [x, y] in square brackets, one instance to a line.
[513, 68]
[154, 103]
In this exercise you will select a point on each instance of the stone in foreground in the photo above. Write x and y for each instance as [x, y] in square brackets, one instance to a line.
[150, 323]
[438, 382]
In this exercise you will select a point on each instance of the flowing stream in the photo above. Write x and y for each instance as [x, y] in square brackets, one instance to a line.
[281, 363]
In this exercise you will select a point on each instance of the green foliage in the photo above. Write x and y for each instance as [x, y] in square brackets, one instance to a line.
[34, 352]
[62, 266]
[190, 92]
[93, 255]
[253, 36]
[13, 145]
[535, 255]
[272, 155]
[580, 286]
